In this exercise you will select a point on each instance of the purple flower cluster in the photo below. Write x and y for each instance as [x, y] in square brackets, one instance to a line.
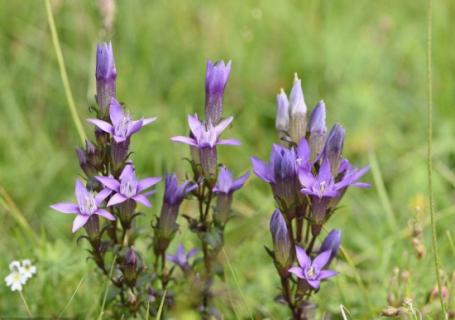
[308, 176]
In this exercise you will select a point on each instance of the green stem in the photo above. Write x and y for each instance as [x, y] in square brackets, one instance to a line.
[430, 159]
[63, 74]
[25, 304]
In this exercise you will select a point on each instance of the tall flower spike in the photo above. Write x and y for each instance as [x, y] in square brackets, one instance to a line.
[206, 138]
[282, 112]
[216, 78]
[128, 187]
[122, 126]
[87, 205]
[172, 198]
[297, 112]
[312, 271]
[105, 76]
[281, 241]
[317, 129]
[225, 187]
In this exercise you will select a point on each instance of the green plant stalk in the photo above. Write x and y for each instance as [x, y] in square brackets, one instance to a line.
[430, 158]
[63, 74]
[25, 304]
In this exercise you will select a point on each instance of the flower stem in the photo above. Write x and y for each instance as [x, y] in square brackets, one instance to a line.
[430, 158]
[25, 304]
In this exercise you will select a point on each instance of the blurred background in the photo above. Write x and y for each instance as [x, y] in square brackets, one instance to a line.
[366, 59]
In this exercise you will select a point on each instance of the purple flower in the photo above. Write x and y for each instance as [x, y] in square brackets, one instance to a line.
[105, 75]
[216, 78]
[280, 172]
[297, 111]
[334, 146]
[205, 137]
[128, 187]
[87, 205]
[224, 188]
[317, 129]
[181, 258]
[312, 271]
[282, 112]
[331, 243]
[281, 240]
[122, 126]
[172, 198]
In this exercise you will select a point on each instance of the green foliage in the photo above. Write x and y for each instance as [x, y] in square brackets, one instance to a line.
[366, 59]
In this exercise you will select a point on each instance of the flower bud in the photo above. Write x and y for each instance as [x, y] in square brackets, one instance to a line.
[89, 159]
[281, 242]
[297, 112]
[282, 112]
[334, 147]
[317, 129]
[223, 208]
[331, 242]
[105, 76]
[119, 152]
[130, 266]
[216, 78]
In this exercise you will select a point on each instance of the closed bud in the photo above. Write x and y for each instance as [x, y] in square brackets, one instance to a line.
[334, 147]
[216, 78]
[282, 112]
[105, 76]
[89, 159]
[130, 266]
[317, 129]
[331, 242]
[297, 112]
[282, 246]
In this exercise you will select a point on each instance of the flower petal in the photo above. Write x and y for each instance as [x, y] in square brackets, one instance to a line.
[106, 214]
[102, 195]
[115, 112]
[302, 257]
[192, 253]
[66, 207]
[229, 142]
[134, 127]
[79, 222]
[109, 182]
[147, 183]
[186, 140]
[240, 181]
[119, 139]
[142, 199]
[262, 170]
[223, 125]
[325, 274]
[298, 272]
[195, 125]
[116, 199]
[314, 283]
[322, 259]
[147, 121]
[103, 125]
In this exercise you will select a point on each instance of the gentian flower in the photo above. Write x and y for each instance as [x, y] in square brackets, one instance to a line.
[331, 243]
[312, 271]
[87, 206]
[282, 112]
[224, 188]
[281, 241]
[16, 279]
[105, 75]
[333, 148]
[317, 129]
[128, 187]
[280, 173]
[181, 258]
[122, 126]
[205, 137]
[172, 198]
[216, 78]
[297, 112]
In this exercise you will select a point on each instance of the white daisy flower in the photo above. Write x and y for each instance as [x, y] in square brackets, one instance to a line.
[28, 270]
[16, 279]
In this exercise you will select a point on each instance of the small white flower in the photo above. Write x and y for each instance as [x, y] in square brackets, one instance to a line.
[14, 265]
[28, 270]
[15, 280]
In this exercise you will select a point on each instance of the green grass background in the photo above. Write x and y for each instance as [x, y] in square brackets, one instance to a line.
[366, 59]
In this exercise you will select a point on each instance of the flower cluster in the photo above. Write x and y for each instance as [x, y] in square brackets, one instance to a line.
[20, 273]
[308, 176]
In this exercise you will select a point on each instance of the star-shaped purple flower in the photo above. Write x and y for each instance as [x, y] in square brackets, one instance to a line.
[226, 183]
[181, 258]
[128, 187]
[205, 134]
[122, 126]
[312, 271]
[87, 205]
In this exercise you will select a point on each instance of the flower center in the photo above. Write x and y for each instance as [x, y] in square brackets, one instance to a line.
[122, 127]
[311, 273]
[322, 186]
[88, 204]
[128, 187]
